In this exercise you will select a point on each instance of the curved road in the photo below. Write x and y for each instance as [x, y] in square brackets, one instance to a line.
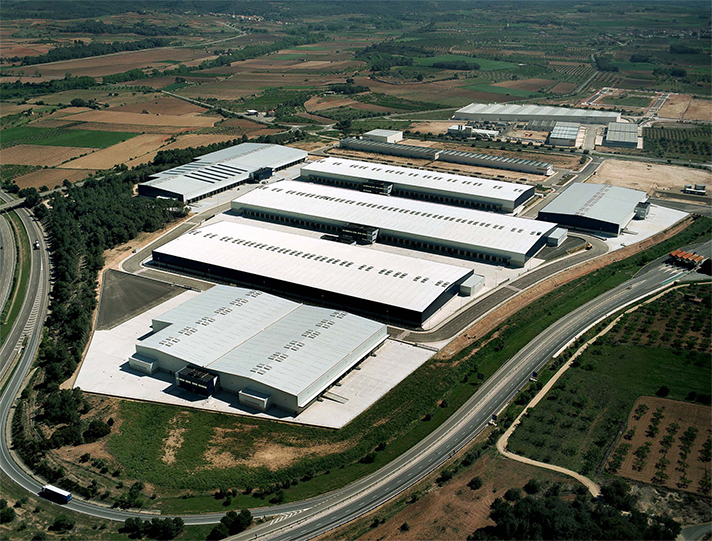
[306, 519]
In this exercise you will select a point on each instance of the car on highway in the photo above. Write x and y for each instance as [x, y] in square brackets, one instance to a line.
[36, 245]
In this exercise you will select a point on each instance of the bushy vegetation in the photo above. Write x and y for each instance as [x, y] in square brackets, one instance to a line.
[79, 49]
[231, 524]
[156, 528]
[551, 517]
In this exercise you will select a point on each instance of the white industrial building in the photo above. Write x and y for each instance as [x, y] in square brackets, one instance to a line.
[503, 112]
[453, 156]
[267, 350]
[419, 184]
[621, 134]
[566, 134]
[419, 225]
[384, 136]
[222, 170]
[460, 130]
[387, 286]
[600, 208]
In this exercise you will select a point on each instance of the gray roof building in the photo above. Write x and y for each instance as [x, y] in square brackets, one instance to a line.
[494, 112]
[420, 225]
[621, 134]
[421, 184]
[219, 171]
[564, 134]
[594, 207]
[259, 346]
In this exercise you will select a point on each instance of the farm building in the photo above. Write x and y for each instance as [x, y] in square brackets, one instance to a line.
[453, 156]
[419, 225]
[379, 284]
[492, 112]
[384, 136]
[566, 134]
[220, 171]
[621, 134]
[444, 188]
[596, 207]
[267, 350]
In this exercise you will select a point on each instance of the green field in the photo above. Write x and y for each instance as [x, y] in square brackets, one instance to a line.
[289, 56]
[20, 277]
[592, 400]
[635, 66]
[62, 137]
[501, 90]
[9, 172]
[627, 101]
[485, 64]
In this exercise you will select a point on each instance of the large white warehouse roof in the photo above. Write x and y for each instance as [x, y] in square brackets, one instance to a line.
[505, 194]
[353, 271]
[261, 338]
[504, 111]
[463, 228]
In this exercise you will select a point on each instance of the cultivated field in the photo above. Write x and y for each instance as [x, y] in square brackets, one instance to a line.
[161, 105]
[41, 155]
[649, 177]
[114, 117]
[667, 443]
[531, 85]
[52, 178]
[139, 147]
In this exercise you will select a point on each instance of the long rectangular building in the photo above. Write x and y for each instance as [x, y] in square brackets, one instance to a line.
[419, 184]
[452, 156]
[419, 225]
[387, 286]
[507, 112]
[222, 170]
[266, 350]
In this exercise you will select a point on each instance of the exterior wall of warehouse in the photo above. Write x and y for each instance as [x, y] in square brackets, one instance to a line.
[562, 142]
[397, 150]
[398, 238]
[428, 194]
[375, 310]
[583, 223]
[150, 191]
[621, 144]
[471, 160]
[282, 399]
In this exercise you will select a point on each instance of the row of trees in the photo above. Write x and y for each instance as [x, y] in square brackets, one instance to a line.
[140, 28]
[79, 49]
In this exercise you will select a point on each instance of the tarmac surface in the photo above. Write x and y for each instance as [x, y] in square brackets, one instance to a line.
[124, 296]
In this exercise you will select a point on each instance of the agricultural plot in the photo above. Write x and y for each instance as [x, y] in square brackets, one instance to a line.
[664, 343]
[9, 172]
[484, 63]
[37, 155]
[51, 178]
[114, 117]
[494, 89]
[530, 85]
[667, 443]
[61, 137]
[161, 105]
[692, 143]
[139, 147]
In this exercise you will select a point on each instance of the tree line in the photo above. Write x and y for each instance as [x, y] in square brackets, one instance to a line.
[140, 28]
[79, 49]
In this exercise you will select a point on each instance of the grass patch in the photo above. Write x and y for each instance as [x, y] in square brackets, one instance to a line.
[21, 276]
[485, 64]
[592, 401]
[62, 137]
[627, 101]
[637, 66]
[501, 90]
[394, 102]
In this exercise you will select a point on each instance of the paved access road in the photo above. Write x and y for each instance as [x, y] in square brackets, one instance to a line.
[323, 514]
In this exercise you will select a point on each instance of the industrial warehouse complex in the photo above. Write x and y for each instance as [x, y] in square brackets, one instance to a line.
[418, 225]
[419, 184]
[267, 350]
[220, 171]
[596, 207]
[452, 156]
[497, 112]
[378, 284]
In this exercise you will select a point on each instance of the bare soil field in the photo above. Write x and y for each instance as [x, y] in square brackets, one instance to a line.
[136, 147]
[454, 510]
[563, 88]
[317, 118]
[699, 110]
[526, 84]
[118, 62]
[41, 155]
[161, 105]
[242, 123]
[51, 177]
[321, 103]
[432, 126]
[675, 106]
[114, 117]
[130, 128]
[685, 467]
[649, 177]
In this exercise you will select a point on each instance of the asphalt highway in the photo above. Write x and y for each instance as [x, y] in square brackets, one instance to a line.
[348, 503]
